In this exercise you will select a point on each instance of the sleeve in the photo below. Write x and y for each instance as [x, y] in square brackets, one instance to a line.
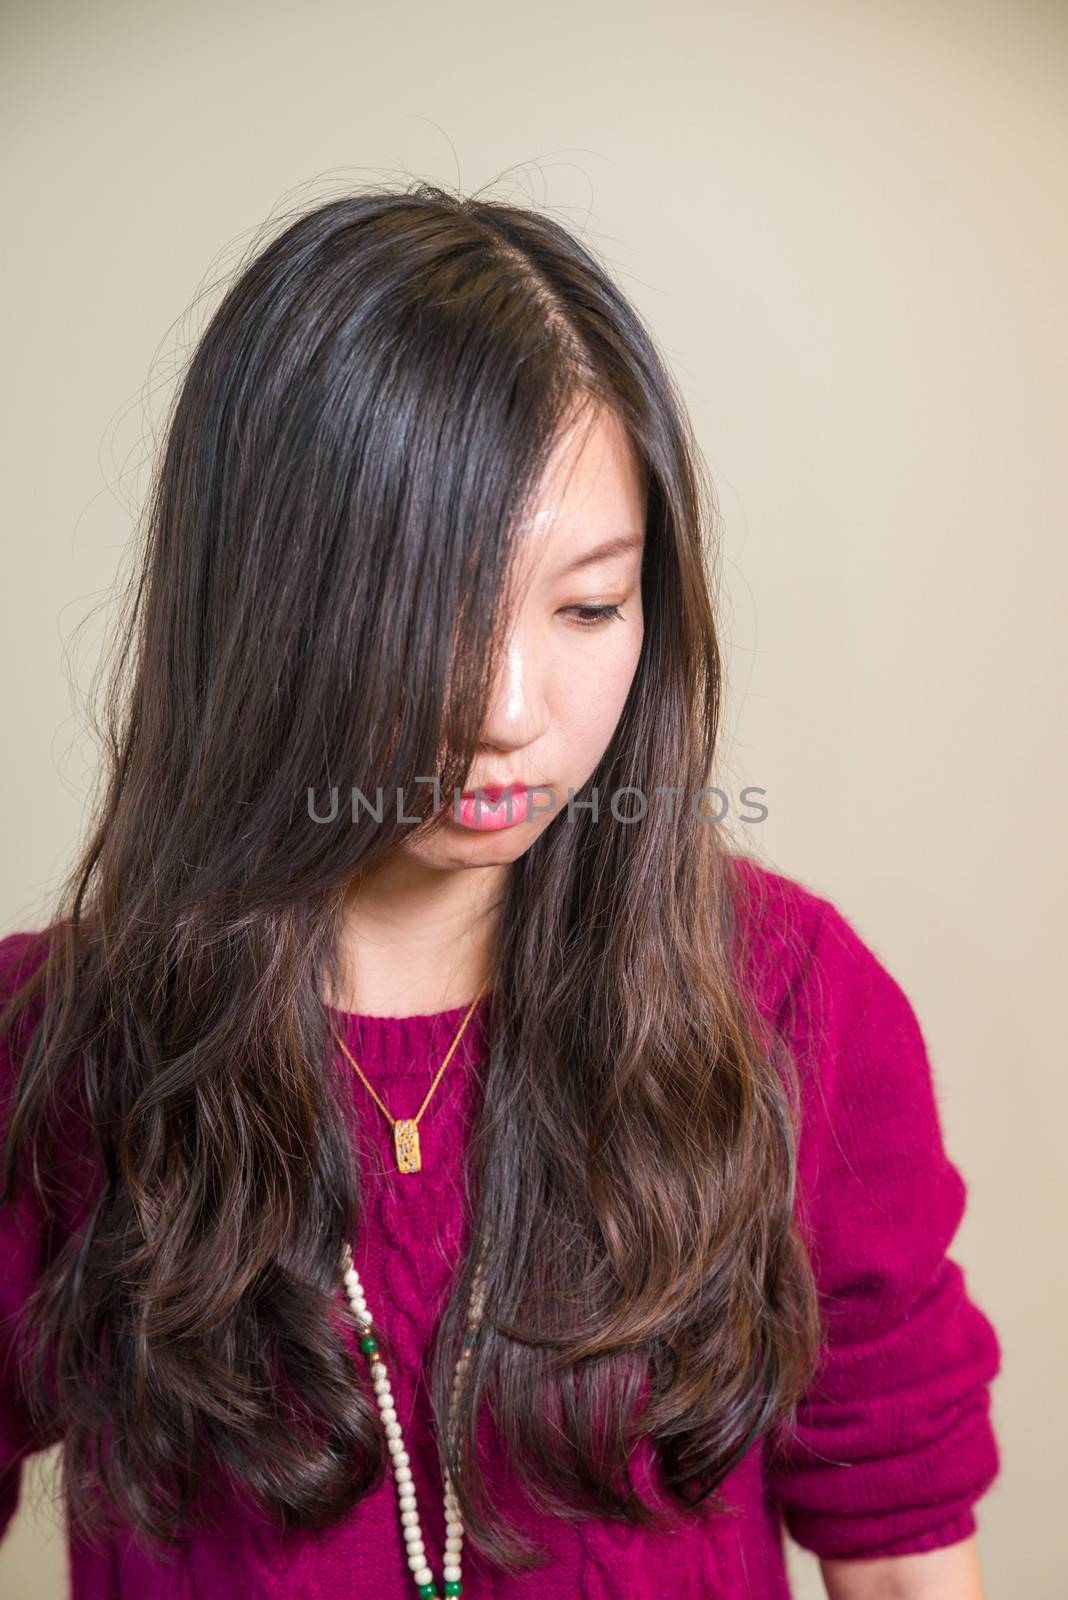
[893, 1443]
[21, 1256]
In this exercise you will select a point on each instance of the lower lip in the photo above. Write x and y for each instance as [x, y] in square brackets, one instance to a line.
[493, 813]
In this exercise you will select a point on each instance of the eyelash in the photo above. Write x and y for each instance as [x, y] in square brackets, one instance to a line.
[596, 615]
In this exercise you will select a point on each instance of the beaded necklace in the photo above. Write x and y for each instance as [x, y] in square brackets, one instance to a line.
[402, 1472]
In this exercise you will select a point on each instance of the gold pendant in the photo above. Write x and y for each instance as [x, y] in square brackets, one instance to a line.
[406, 1144]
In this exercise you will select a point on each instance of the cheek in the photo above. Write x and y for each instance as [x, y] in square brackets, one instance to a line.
[590, 697]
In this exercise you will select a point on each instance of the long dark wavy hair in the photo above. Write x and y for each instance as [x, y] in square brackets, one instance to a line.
[319, 602]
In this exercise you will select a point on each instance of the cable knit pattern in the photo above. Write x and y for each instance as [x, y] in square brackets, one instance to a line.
[893, 1445]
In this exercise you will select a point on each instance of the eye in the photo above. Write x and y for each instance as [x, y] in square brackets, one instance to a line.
[594, 616]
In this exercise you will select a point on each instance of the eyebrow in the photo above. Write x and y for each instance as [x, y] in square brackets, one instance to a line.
[621, 545]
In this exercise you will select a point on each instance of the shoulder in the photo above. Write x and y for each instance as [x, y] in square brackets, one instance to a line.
[872, 1121]
[796, 942]
[827, 989]
[22, 953]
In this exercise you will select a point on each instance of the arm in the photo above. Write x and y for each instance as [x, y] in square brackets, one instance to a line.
[893, 1443]
[951, 1573]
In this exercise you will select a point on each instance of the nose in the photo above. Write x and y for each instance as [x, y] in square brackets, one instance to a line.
[518, 712]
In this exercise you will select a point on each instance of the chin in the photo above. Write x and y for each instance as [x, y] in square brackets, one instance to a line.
[462, 847]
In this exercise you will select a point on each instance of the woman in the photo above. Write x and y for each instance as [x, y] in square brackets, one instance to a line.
[435, 1161]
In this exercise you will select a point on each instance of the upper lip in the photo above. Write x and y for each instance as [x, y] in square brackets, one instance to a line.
[493, 790]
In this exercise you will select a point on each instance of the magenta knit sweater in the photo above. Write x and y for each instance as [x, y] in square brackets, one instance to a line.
[894, 1443]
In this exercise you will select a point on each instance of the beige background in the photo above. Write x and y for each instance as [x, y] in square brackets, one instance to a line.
[847, 223]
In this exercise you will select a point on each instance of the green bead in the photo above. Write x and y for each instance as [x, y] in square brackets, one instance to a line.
[369, 1344]
[428, 1591]
[453, 1586]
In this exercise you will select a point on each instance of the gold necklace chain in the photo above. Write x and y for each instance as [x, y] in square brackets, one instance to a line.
[406, 1129]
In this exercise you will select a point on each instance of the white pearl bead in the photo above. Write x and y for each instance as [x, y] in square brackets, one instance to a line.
[410, 1517]
[401, 1459]
[404, 1474]
[451, 1574]
[393, 1430]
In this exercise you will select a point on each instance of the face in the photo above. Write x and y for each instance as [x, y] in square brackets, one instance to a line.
[572, 648]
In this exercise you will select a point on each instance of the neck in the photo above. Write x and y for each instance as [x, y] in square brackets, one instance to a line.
[417, 938]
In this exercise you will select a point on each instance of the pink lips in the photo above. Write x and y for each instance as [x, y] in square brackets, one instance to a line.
[498, 806]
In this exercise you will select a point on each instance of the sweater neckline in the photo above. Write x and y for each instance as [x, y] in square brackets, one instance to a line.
[411, 1044]
[414, 1018]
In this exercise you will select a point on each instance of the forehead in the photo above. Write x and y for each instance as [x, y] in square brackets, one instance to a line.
[591, 500]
